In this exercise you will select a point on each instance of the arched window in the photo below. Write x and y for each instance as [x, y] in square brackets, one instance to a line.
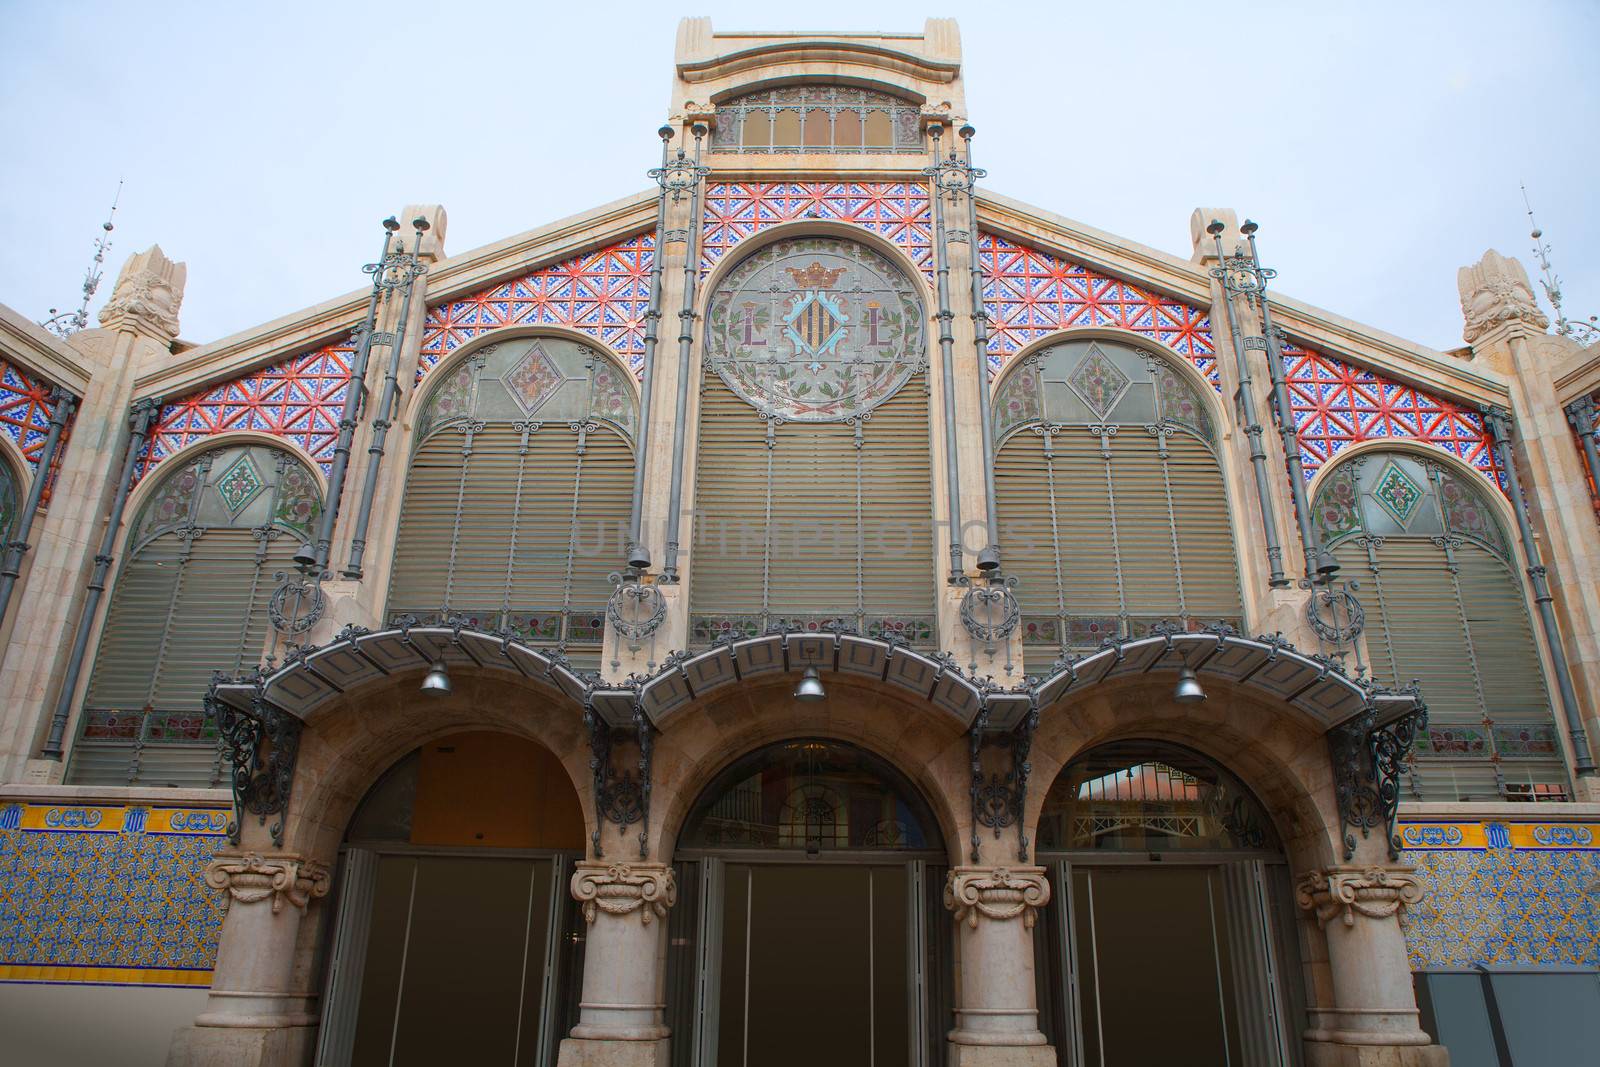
[817, 118]
[1111, 502]
[810, 795]
[202, 561]
[517, 498]
[814, 495]
[8, 500]
[1445, 607]
[1150, 796]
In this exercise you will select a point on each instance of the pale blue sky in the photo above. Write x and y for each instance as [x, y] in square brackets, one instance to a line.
[1380, 145]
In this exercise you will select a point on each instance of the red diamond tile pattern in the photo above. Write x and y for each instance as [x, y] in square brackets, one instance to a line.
[299, 399]
[896, 211]
[1337, 404]
[604, 293]
[1029, 294]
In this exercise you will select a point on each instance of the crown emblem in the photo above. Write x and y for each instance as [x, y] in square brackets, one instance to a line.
[815, 276]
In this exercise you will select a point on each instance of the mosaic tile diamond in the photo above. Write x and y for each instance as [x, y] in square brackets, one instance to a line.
[239, 484]
[1098, 383]
[1029, 293]
[1397, 494]
[533, 379]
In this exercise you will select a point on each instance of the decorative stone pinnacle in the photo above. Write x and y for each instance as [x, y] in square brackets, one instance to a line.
[1495, 292]
[250, 877]
[147, 295]
[1371, 892]
[999, 893]
[621, 889]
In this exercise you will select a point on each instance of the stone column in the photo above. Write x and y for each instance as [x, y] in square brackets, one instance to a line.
[997, 1020]
[254, 1015]
[1374, 1018]
[620, 1018]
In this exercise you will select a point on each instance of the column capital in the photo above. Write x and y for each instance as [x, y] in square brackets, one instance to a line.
[624, 888]
[999, 893]
[252, 877]
[1373, 892]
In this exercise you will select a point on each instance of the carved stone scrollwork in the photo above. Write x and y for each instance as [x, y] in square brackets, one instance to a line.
[998, 893]
[1495, 291]
[1371, 892]
[251, 877]
[147, 295]
[621, 889]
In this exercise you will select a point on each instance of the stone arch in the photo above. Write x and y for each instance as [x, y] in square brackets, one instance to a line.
[346, 748]
[154, 476]
[927, 746]
[1272, 748]
[1498, 503]
[798, 228]
[436, 375]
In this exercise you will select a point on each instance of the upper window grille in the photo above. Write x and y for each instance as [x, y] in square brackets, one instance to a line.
[817, 118]
[814, 500]
[1112, 507]
[8, 501]
[1445, 608]
[517, 498]
[203, 559]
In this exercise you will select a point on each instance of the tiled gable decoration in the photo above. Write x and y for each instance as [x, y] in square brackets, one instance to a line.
[25, 410]
[604, 293]
[300, 399]
[1029, 294]
[1336, 404]
[898, 212]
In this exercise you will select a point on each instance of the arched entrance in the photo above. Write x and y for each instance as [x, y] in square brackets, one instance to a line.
[454, 938]
[809, 927]
[1170, 936]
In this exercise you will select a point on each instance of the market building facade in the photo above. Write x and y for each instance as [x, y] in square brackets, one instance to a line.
[815, 607]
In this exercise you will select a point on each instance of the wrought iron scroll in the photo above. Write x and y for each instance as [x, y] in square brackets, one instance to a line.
[1367, 763]
[1000, 800]
[262, 745]
[621, 798]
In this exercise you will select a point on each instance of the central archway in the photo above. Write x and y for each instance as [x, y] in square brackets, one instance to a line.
[813, 931]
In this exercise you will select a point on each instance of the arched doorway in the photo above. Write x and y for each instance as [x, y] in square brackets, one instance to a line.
[809, 927]
[1170, 936]
[454, 939]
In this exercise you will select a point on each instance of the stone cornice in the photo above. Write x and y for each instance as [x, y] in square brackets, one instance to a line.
[41, 352]
[825, 51]
[451, 277]
[1323, 330]
[1579, 374]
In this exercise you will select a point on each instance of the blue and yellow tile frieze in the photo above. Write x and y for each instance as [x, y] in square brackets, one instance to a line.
[1503, 892]
[108, 894]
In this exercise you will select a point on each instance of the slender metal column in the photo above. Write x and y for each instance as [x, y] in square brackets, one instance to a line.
[64, 404]
[1252, 424]
[980, 347]
[636, 554]
[1499, 423]
[680, 171]
[1581, 413]
[411, 270]
[946, 361]
[1284, 412]
[353, 396]
[141, 416]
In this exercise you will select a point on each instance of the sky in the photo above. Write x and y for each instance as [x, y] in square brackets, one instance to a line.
[1379, 145]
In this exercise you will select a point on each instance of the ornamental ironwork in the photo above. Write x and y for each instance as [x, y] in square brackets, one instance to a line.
[635, 610]
[815, 329]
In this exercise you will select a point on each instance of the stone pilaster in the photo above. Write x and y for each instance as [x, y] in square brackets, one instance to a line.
[997, 1017]
[1374, 1016]
[620, 1016]
[254, 1015]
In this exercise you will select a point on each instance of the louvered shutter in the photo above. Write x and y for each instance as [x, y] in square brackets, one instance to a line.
[817, 529]
[1204, 532]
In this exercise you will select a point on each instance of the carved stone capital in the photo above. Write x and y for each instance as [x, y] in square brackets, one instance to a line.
[147, 296]
[250, 877]
[1495, 291]
[1371, 892]
[999, 893]
[622, 889]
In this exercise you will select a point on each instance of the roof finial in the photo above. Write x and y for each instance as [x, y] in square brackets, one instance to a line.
[1585, 333]
[63, 323]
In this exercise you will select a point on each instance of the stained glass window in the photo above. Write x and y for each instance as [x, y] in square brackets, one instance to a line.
[1150, 796]
[204, 555]
[814, 498]
[1445, 608]
[814, 796]
[1113, 511]
[817, 118]
[518, 495]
